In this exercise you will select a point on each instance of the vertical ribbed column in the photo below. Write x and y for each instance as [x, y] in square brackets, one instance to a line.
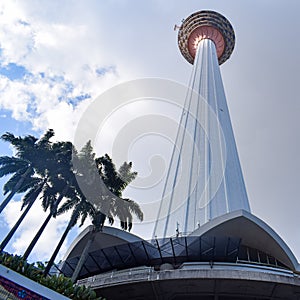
[204, 179]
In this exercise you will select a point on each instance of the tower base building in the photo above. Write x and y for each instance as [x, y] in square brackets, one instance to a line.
[235, 256]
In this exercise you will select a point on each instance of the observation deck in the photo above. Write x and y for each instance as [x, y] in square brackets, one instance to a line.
[206, 25]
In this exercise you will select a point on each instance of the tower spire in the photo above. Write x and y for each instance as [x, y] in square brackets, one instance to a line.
[210, 182]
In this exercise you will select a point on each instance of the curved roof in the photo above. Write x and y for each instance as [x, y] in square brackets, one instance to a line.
[253, 233]
[108, 237]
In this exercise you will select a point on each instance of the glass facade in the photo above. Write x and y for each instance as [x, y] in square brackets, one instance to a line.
[174, 251]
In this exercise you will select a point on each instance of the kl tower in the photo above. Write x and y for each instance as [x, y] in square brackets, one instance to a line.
[206, 242]
[210, 182]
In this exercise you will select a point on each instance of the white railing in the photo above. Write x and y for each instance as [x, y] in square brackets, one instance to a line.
[148, 273]
[140, 273]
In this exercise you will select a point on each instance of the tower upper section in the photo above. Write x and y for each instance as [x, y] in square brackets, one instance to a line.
[206, 25]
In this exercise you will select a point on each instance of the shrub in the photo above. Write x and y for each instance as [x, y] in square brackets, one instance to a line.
[60, 283]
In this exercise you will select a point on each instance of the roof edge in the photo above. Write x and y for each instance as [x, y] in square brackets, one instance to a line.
[260, 223]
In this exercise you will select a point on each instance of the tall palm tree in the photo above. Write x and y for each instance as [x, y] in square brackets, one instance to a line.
[19, 166]
[107, 186]
[99, 195]
[36, 153]
[22, 164]
[61, 186]
[78, 203]
[21, 170]
[123, 209]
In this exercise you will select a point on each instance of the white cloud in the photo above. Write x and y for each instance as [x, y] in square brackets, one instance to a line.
[69, 50]
[61, 58]
[15, 35]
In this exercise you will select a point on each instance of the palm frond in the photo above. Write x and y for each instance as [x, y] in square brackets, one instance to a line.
[28, 183]
[12, 168]
[22, 145]
[11, 160]
[28, 197]
[9, 186]
[135, 209]
[48, 197]
[126, 173]
[67, 205]
[44, 140]
[34, 192]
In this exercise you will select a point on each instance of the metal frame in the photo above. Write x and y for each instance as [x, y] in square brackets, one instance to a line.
[175, 251]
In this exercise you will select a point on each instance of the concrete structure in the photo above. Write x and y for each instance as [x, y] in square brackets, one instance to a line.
[222, 251]
[198, 281]
[235, 256]
[210, 181]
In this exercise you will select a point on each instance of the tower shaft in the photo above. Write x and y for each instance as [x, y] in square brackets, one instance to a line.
[205, 179]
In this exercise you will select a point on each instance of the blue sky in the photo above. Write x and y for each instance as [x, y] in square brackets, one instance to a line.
[57, 56]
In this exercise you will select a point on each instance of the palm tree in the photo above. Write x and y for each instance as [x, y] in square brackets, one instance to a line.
[35, 153]
[21, 170]
[22, 165]
[107, 201]
[123, 209]
[99, 188]
[78, 202]
[61, 187]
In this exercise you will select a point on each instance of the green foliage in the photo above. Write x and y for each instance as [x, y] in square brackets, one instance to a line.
[18, 264]
[65, 286]
[60, 284]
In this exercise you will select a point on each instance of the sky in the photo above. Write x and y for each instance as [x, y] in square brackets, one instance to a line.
[56, 57]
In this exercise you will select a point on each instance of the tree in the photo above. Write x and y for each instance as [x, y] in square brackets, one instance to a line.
[21, 170]
[33, 155]
[99, 188]
[19, 166]
[61, 187]
[108, 203]
[123, 209]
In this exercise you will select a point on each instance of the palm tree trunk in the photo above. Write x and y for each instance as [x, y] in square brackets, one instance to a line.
[62, 239]
[15, 189]
[16, 226]
[83, 256]
[42, 228]
[37, 236]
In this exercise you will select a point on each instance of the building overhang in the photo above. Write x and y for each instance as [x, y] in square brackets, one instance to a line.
[253, 232]
[108, 237]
